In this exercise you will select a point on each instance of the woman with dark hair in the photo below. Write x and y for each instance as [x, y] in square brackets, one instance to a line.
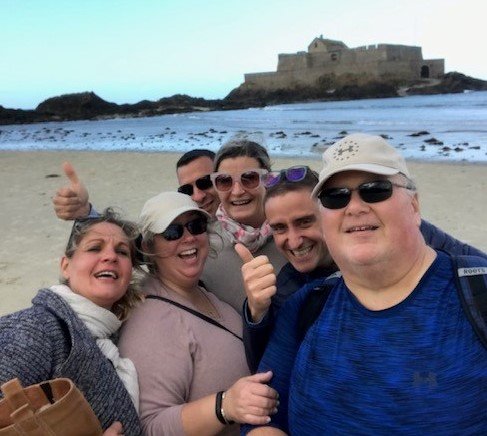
[68, 330]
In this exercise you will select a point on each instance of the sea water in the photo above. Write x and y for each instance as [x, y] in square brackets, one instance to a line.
[455, 127]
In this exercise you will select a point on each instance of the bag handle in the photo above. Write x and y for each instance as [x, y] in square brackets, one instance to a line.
[18, 402]
[15, 395]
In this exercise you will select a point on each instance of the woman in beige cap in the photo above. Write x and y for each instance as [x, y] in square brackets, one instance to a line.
[185, 343]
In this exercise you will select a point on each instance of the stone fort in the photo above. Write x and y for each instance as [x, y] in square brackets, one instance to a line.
[327, 60]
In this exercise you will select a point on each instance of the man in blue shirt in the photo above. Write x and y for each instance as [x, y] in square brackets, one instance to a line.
[392, 351]
[294, 217]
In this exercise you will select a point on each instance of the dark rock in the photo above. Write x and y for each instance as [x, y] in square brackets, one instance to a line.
[85, 105]
[51, 176]
[433, 141]
[420, 133]
[452, 82]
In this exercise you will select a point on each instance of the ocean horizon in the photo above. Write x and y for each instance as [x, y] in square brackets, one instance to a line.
[453, 126]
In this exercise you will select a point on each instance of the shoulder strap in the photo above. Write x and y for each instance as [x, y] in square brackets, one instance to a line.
[314, 303]
[471, 284]
[194, 312]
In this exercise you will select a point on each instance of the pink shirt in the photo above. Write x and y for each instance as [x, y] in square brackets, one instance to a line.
[180, 357]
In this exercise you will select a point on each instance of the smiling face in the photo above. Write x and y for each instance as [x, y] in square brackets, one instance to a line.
[187, 174]
[371, 233]
[100, 268]
[181, 262]
[243, 205]
[296, 224]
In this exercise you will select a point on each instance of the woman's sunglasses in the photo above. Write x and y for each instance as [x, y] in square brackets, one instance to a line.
[203, 183]
[292, 174]
[175, 231]
[370, 192]
[250, 179]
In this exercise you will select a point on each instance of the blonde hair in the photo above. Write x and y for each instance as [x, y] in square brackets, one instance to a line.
[81, 227]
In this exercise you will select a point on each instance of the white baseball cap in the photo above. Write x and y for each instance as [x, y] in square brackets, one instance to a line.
[360, 152]
[160, 211]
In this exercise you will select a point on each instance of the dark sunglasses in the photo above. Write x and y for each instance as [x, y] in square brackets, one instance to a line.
[292, 174]
[175, 231]
[250, 179]
[370, 192]
[203, 183]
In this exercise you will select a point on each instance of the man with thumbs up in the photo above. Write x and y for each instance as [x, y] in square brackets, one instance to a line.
[295, 220]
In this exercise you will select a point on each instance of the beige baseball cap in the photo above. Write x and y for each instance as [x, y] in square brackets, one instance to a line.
[159, 211]
[361, 152]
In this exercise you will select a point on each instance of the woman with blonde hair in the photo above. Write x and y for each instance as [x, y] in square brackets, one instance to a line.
[68, 330]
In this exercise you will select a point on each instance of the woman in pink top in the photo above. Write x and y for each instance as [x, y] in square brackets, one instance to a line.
[185, 342]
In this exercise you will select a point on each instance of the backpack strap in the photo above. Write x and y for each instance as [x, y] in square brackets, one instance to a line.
[471, 284]
[314, 303]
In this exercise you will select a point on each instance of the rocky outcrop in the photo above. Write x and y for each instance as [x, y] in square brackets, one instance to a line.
[450, 83]
[353, 88]
[84, 105]
[87, 105]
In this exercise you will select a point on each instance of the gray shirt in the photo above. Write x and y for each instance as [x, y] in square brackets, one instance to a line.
[222, 274]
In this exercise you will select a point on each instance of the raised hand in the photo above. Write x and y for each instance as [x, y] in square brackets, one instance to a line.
[259, 281]
[71, 201]
[249, 400]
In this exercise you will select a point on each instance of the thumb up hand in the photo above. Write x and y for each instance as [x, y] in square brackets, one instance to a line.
[259, 282]
[71, 201]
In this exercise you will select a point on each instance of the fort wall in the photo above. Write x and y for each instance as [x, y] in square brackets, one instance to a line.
[333, 58]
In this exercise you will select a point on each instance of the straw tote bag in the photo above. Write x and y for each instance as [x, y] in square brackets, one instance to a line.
[55, 407]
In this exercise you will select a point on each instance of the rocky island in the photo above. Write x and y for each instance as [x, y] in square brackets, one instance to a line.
[328, 70]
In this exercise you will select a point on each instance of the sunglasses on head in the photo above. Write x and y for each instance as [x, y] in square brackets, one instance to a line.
[249, 179]
[203, 183]
[370, 192]
[175, 231]
[292, 174]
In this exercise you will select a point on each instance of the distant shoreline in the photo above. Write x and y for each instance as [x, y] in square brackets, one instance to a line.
[89, 106]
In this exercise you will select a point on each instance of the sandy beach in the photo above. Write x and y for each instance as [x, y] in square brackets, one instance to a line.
[452, 197]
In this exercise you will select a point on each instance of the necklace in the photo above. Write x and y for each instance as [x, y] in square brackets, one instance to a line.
[197, 298]
[209, 308]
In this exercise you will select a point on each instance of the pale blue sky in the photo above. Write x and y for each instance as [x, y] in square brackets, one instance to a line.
[129, 50]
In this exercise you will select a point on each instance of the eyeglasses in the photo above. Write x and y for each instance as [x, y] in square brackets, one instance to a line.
[175, 231]
[292, 174]
[249, 179]
[203, 183]
[370, 192]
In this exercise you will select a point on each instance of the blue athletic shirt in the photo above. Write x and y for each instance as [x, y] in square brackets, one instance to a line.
[415, 368]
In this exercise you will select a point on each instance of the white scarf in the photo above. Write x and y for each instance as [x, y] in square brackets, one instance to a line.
[102, 324]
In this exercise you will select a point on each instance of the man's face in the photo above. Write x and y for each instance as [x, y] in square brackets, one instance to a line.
[206, 199]
[295, 220]
[366, 234]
